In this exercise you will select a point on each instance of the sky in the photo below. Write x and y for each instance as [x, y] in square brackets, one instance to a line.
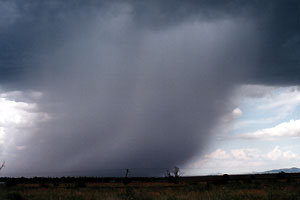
[95, 87]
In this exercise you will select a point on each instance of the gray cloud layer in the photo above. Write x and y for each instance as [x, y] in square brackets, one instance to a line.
[137, 84]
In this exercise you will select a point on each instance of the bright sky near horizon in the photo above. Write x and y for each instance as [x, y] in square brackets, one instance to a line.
[261, 133]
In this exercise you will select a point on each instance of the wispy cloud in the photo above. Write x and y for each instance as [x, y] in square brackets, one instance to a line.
[279, 101]
[284, 99]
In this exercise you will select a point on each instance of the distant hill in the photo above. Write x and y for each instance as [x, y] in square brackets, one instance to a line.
[286, 170]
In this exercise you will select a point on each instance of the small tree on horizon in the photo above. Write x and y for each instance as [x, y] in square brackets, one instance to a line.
[176, 172]
[173, 176]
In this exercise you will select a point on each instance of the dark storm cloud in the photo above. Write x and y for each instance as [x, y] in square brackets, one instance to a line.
[279, 62]
[137, 84]
[27, 28]
[277, 21]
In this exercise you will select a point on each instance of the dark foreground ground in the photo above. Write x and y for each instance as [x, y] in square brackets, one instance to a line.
[271, 186]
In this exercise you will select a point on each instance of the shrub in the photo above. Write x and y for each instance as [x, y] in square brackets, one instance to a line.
[14, 196]
[80, 185]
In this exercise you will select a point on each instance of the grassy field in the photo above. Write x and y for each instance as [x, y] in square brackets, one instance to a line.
[234, 190]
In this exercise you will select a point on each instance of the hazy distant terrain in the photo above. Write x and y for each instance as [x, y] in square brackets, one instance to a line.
[285, 170]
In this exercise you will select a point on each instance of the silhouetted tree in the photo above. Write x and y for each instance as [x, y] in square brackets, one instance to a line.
[173, 176]
[176, 172]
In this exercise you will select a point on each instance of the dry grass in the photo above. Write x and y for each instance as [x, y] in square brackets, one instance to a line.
[160, 191]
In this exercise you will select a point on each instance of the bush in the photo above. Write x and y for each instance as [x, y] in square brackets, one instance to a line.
[44, 185]
[14, 196]
[80, 185]
[56, 184]
[130, 194]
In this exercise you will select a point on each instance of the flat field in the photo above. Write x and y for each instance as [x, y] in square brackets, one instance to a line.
[238, 188]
